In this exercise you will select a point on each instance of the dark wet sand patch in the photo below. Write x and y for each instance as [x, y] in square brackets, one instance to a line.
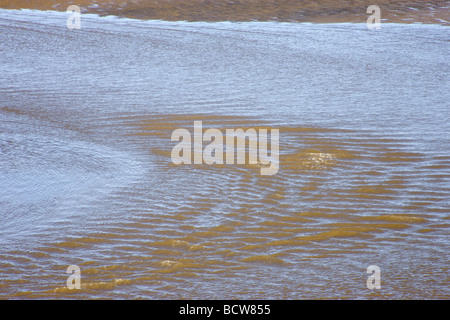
[253, 10]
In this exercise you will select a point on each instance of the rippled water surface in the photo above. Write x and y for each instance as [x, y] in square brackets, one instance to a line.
[86, 177]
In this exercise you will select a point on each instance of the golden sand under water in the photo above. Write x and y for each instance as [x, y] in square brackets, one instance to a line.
[174, 248]
[250, 10]
[87, 176]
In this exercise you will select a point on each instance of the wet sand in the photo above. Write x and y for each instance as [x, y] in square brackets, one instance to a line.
[253, 10]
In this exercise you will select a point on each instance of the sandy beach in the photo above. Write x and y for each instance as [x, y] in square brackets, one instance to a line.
[253, 10]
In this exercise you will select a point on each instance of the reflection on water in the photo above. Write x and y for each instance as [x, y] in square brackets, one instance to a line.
[87, 179]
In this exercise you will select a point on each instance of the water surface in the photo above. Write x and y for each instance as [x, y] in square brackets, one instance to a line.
[86, 177]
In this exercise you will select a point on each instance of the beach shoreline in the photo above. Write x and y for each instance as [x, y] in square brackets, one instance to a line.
[327, 11]
[89, 119]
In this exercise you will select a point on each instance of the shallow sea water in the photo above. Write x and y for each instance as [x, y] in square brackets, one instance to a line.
[86, 177]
